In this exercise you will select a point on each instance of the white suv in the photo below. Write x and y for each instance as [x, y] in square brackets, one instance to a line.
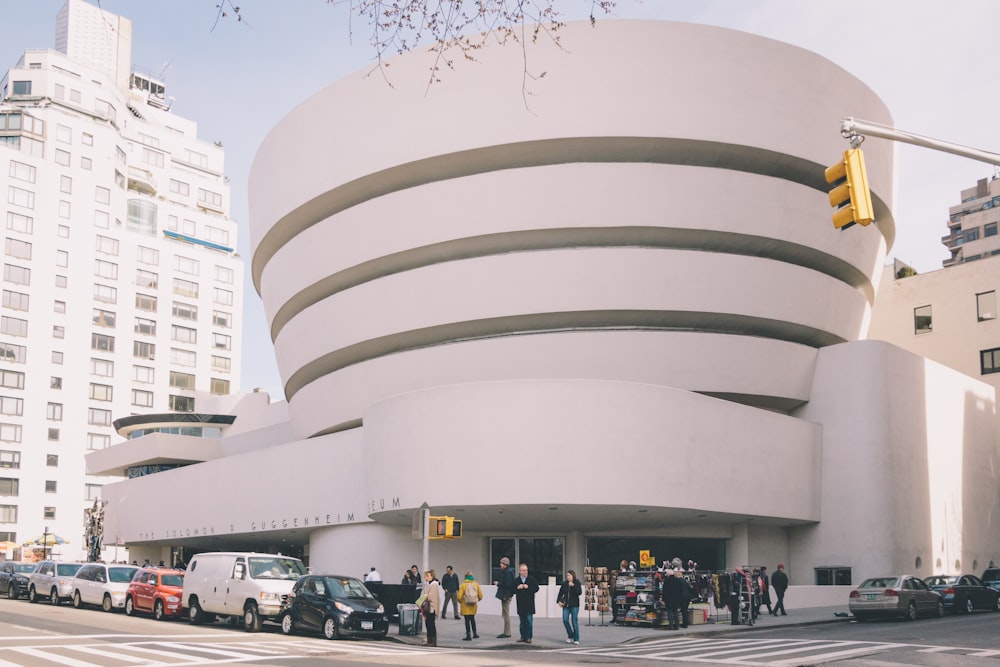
[102, 584]
[52, 581]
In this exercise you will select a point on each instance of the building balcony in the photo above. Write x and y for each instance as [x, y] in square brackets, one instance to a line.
[141, 180]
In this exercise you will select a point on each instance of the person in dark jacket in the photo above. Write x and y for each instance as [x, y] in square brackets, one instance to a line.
[505, 591]
[569, 600]
[686, 594]
[449, 583]
[765, 591]
[525, 588]
[780, 583]
[672, 590]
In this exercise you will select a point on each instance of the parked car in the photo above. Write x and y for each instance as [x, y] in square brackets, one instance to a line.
[102, 584]
[52, 581]
[155, 590]
[902, 595]
[964, 592]
[991, 577]
[249, 586]
[335, 605]
[14, 577]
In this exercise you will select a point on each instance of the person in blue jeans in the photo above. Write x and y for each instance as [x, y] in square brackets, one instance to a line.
[525, 588]
[569, 599]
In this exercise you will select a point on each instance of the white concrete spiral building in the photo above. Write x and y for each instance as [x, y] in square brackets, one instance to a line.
[619, 298]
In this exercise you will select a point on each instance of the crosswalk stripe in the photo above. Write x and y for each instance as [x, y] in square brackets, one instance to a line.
[117, 656]
[54, 657]
[823, 657]
[203, 648]
[802, 644]
[985, 654]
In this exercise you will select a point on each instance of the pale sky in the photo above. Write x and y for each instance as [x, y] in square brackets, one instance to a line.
[929, 62]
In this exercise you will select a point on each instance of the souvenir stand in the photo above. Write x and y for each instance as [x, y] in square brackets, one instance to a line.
[635, 597]
[596, 593]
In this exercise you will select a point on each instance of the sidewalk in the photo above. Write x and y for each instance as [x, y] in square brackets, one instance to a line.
[549, 632]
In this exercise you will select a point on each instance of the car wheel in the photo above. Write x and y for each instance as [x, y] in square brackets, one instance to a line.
[159, 613]
[129, 606]
[11, 592]
[287, 623]
[940, 608]
[54, 597]
[195, 615]
[33, 597]
[911, 611]
[860, 618]
[384, 634]
[107, 604]
[251, 618]
[77, 600]
[330, 629]
[969, 605]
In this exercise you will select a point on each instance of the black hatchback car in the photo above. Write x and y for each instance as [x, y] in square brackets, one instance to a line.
[14, 578]
[335, 605]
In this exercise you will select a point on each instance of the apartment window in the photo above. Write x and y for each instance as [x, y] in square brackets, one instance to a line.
[54, 411]
[53, 435]
[64, 134]
[149, 256]
[221, 341]
[86, 164]
[98, 441]
[141, 217]
[58, 331]
[11, 379]
[182, 357]
[147, 279]
[22, 172]
[187, 265]
[120, 180]
[220, 386]
[143, 374]
[142, 399]
[57, 357]
[55, 382]
[833, 576]
[986, 305]
[922, 320]
[8, 513]
[103, 318]
[195, 158]
[17, 248]
[15, 300]
[145, 302]
[21, 88]
[141, 350]
[120, 154]
[102, 367]
[209, 198]
[17, 354]
[10, 459]
[92, 491]
[223, 296]
[183, 334]
[98, 417]
[9, 486]
[185, 311]
[20, 223]
[13, 326]
[66, 185]
[102, 195]
[185, 288]
[62, 258]
[181, 380]
[20, 197]
[101, 392]
[971, 234]
[10, 405]
[62, 158]
[102, 343]
[62, 231]
[221, 364]
[105, 269]
[59, 306]
[16, 274]
[105, 293]
[990, 229]
[222, 319]
[216, 235]
[107, 245]
[224, 274]
[87, 139]
[145, 327]
[989, 361]
[181, 403]
[9, 433]
[61, 281]
[49, 513]
[50, 486]
[180, 187]
[151, 157]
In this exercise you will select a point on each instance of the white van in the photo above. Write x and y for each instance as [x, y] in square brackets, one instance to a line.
[248, 586]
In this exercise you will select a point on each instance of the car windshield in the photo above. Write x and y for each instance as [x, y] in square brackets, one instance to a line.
[347, 588]
[67, 569]
[991, 575]
[25, 567]
[881, 582]
[172, 580]
[275, 567]
[121, 575]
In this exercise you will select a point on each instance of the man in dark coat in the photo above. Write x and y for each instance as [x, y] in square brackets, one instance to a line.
[449, 583]
[672, 591]
[780, 584]
[505, 591]
[525, 588]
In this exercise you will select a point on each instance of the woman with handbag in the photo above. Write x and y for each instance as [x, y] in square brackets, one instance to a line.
[569, 600]
[430, 606]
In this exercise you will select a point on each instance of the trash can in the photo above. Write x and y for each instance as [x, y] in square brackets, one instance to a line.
[409, 619]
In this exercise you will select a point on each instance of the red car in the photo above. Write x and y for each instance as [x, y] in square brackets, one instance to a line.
[155, 590]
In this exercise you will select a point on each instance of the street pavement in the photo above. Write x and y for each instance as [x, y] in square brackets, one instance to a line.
[549, 632]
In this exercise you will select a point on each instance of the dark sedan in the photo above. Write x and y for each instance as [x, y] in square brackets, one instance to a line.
[964, 592]
[335, 605]
[14, 578]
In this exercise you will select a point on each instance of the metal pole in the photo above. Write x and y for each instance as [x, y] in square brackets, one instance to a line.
[856, 130]
[426, 543]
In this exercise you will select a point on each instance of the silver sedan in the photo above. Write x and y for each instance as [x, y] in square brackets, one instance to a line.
[900, 595]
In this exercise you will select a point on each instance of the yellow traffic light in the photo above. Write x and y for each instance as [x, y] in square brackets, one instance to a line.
[850, 193]
[444, 528]
[454, 527]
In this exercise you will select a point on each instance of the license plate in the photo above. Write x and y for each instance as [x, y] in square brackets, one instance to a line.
[367, 625]
[871, 596]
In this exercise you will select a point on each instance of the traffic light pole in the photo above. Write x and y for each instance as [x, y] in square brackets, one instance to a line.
[856, 130]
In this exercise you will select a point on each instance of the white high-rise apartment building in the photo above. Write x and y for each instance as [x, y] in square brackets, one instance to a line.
[122, 290]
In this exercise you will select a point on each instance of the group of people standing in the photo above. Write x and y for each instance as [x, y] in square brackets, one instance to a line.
[464, 598]
[522, 587]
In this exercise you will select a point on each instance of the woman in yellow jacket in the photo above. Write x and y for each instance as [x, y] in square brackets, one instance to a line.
[469, 595]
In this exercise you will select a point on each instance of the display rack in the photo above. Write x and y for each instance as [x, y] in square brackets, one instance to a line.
[635, 598]
[596, 593]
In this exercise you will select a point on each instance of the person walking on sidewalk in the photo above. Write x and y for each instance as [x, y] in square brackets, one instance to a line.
[780, 583]
[469, 594]
[569, 599]
[449, 583]
[525, 588]
[505, 591]
[432, 593]
[765, 591]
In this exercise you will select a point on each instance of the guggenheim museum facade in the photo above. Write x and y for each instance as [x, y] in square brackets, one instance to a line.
[599, 312]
